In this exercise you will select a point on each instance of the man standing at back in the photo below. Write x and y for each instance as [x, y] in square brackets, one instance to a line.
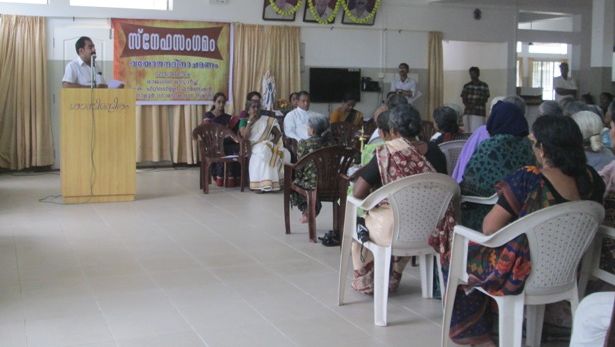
[296, 121]
[564, 85]
[79, 72]
[474, 95]
[405, 85]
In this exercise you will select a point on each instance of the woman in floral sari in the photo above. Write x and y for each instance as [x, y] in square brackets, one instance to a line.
[318, 130]
[562, 176]
[507, 150]
[267, 152]
[396, 159]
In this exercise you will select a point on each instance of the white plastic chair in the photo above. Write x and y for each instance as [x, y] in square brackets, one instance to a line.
[591, 261]
[418, 202]
[558, 236]
[451, 150]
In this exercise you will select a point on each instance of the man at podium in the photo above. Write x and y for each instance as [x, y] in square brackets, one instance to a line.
[81, 71]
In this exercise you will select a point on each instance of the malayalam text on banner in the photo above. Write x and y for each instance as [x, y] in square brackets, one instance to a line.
[172, 62]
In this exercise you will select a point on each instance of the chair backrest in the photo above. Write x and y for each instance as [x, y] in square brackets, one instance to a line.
[558, 236]
[427, 131]
[452, 150]
[418, 202]
[344, 134]
[211, 138]
[329, 163]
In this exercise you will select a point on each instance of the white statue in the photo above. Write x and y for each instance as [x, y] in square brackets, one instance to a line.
[268, 91]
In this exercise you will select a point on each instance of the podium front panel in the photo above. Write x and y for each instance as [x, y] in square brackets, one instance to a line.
[98, 132]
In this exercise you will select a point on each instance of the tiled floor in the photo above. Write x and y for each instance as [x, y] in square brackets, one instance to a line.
[180, 268]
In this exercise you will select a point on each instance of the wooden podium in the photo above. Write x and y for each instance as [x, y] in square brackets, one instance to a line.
[98, 145]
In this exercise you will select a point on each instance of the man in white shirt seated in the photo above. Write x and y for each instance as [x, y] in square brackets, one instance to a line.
[296, 121]
[405, 85]
[564, 85]
[79, 72]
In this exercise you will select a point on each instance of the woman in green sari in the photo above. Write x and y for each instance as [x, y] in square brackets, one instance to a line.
[507, 150]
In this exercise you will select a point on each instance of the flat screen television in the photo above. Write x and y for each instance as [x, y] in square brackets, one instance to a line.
[329, 85]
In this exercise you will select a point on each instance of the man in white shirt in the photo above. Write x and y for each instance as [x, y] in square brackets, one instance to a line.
[79, 72]
[405, 85]
[564, 85]
[360, 9]
[296, 121]
[322, 9]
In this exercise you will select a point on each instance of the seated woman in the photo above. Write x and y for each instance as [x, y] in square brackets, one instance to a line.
[447, 125]
[479, 135]
[268, 155]
[347, 113]
[217, 115]
[591, 126]
[507, 150]
[395, 159]
[562, 176]
[318, 129]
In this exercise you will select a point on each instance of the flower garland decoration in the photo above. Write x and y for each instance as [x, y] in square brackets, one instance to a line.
[363, 20]
[286, 13]
[318, 18]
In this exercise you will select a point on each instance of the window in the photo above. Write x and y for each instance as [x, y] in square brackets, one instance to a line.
[164, 5]
[548, 48]
[38, 2]
[519, 73]
[543, 73]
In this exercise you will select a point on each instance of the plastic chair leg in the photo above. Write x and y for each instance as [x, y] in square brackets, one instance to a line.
[510, 320]
[382, 264]
[349, 227]
[455, 271]
[426, 269]
[533, 326]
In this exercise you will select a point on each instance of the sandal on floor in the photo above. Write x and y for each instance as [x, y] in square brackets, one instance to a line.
[330, 239]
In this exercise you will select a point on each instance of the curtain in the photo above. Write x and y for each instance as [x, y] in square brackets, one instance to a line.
[164, 133]
[436, 73]
[259, 48]
[153, 136]
[25, 118]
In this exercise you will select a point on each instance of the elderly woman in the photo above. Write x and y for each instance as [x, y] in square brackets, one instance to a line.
[591, 126]
[395, 159]
[479, 135]
[446, 120]
[318, 130]
[562, 176]
[507, 150]
[217, 115]
[268, 154]
[550, 108]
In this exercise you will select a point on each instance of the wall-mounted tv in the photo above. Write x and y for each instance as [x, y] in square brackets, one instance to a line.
[329, 85]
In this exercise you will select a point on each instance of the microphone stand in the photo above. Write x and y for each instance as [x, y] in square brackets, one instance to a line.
[92, 71]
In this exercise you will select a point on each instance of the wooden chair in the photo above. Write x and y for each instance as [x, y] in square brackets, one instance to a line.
[428, 130]
[211, 138]
[291, 145]
[344, 134]
[329, 163]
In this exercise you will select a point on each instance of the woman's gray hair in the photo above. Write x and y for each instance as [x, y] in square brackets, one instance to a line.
[406, 120]
[517, 100]
[573, 107]
[318, 123]
[396, 100]
[550, 108]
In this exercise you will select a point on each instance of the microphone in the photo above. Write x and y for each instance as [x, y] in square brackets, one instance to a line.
[93, 71]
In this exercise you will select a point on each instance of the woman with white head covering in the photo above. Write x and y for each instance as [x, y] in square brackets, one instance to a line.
[591, 126]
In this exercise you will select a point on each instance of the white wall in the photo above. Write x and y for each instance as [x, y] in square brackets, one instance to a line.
[490, 58]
